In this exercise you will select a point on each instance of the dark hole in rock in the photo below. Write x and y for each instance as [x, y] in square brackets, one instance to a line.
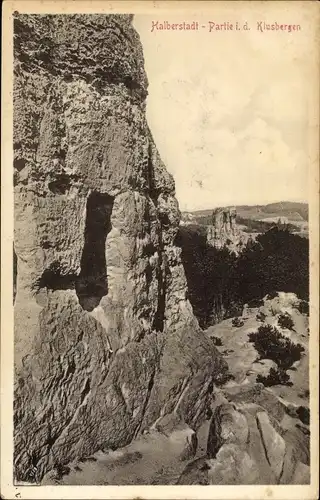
[52, 279]
[19, 164]
[62, 155]
[87, 459]
[164, 219]
[158, 321]
[92, 283]
[130, 83]
[60, 185]
[148, 250]
[148, 273]
[46, 244]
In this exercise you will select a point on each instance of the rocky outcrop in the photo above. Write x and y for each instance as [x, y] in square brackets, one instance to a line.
[157, 456]
[259, 432]
[224, 232]
[250, 439]
[250, 443]
[248, 365]
[105, 340]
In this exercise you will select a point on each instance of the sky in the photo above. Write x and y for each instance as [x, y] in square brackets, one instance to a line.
[229, 109]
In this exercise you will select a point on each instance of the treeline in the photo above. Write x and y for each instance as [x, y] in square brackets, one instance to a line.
[210, 276]
[261, 226]
[220, 283]
[251, 225]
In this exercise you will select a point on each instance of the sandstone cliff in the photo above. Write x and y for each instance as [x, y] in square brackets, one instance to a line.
[224, 231]
[105, 339]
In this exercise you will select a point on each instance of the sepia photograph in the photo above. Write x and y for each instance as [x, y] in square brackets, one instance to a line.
[163, 168]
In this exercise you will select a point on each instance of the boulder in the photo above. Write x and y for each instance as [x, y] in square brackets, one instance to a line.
[273, 443]
[232, 465]
[227, 426]
[247, 445]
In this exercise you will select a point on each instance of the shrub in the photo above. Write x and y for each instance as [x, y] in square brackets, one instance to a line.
[277, 261]
[304, 415]
[255, 303]
[271, 344]
[303, 307]
[61, 470]
[237, 322]
[216, 341]
[276, 376]
[285, 321]
[261, 316]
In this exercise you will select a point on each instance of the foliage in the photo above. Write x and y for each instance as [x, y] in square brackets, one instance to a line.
[261, 226]
[251, 225]
[271, 344]
[220, 283]
[216, 341]
[255, 303]
[237, 322]
[285, 321]
[211, 276]
[276, 376]
[61, 470]
[205, 220]
[304, 415]
[261, 316]
[278, 260]
[303, 307]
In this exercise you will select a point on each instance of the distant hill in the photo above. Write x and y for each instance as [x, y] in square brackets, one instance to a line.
[293, 211]
[259, 218]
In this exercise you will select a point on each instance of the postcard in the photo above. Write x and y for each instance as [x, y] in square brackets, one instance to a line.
[160, 250]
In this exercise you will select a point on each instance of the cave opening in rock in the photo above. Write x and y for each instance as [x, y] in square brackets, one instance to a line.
[60, 185]
[92, 283]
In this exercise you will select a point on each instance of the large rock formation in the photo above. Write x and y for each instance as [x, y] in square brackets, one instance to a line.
[223, 232]
[105, 339]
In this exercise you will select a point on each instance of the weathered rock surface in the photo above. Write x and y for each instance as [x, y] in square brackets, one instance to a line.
[224, 231]
[158, 456]
[105, 339]
[248, 445]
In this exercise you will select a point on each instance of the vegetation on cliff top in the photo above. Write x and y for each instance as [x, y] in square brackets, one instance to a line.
[220, 283]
